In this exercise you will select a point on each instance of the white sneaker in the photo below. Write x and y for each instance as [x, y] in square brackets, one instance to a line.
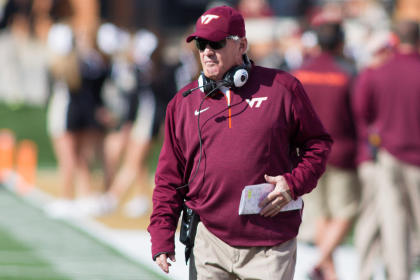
[98, 206]
[137, 207]
[62, 209]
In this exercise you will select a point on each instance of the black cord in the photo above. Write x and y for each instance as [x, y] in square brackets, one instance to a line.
[199, 137]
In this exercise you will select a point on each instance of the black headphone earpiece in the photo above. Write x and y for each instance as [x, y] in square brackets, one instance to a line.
[235, 77]
[205, 84]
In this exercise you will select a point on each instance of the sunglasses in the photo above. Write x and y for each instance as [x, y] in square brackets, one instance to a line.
[201, 44]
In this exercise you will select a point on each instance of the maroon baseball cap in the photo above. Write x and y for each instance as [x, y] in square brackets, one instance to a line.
[218, 23]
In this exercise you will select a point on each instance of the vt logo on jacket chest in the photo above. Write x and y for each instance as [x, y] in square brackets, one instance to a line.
[257, 101]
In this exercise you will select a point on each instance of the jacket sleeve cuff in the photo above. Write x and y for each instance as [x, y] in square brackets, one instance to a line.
[160, 253]
[163, 241]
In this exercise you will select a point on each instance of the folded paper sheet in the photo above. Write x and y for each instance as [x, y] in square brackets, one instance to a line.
[253, 194]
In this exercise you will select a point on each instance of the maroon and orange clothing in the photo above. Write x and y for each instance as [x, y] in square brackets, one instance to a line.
[328, 82]
[270, 116]
[387, 101]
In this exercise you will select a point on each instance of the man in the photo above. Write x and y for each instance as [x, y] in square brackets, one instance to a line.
[386, 106]
[332, 206]
[220, 141]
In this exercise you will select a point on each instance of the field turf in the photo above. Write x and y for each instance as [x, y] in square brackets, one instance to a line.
[33, 246]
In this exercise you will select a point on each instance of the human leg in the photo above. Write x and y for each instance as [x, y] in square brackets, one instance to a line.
[312, 212]
[335, 231]
[314, 220]
[393, 218]
[267, 263]
[139, 205]
[63, 140]
[115, 144]
[132, 164]
[214, 259]
[135, 165]
[411, 177]
[367, 234]
[65, 151]
[87, 147]
[342, 195]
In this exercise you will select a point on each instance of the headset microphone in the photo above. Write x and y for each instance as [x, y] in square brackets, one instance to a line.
[207, 85]
[188, 92]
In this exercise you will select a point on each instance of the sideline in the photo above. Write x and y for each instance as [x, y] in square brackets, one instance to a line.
[135, 245]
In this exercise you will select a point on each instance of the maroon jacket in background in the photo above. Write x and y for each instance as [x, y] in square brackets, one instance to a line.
[269, 116]
[328, 82]
[387, 99]
[363, 117]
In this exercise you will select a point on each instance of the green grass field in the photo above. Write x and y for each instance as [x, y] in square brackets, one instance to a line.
[33, 246]
[19, 261]
[29, 122]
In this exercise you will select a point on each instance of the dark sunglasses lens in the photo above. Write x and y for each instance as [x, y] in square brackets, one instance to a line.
[218, 45]
[201, 44]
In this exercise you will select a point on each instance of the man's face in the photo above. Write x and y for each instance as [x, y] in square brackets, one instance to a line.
[216, 62]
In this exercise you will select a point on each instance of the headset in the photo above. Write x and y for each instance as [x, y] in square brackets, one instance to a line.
[235, 77]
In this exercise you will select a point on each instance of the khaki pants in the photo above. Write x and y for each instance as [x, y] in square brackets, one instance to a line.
[336, 196]
[214, 259]
[366, 238]
[389, 207]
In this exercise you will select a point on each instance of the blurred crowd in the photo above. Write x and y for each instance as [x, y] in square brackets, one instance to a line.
[106, 85]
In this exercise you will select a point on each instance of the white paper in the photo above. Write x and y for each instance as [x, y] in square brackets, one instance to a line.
[253, 194]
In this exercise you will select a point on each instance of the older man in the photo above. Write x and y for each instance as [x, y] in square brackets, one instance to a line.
[244, 127]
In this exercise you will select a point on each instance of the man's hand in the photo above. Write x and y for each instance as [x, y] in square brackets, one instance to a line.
[276, 199]
[162, 261]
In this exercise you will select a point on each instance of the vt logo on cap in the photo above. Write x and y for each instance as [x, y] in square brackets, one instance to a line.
[218, 23]
[207, 18]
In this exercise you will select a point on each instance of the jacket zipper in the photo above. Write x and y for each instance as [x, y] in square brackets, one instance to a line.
[228, 97]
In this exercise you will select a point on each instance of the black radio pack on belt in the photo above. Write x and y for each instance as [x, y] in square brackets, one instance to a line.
[188, 230]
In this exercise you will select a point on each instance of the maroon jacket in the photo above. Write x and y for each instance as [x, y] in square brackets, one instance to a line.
[269, 117]
[328, 82]
[387, 100]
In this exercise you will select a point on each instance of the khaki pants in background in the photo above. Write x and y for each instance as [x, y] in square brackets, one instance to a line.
[366, 236]
[335, 197]
[214, 259]
[390, 212]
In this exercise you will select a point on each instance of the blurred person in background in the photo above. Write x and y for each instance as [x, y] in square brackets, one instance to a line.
[386, 107]
[250, 125]
[154, 82]
[42, 20]
[76, 115]
[332, 206]
[119, 93]
[254, 8]
[23, 75]
[367, 238]
[187, 62]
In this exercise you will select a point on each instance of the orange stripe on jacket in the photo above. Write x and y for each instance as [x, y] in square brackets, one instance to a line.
[316, 78]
